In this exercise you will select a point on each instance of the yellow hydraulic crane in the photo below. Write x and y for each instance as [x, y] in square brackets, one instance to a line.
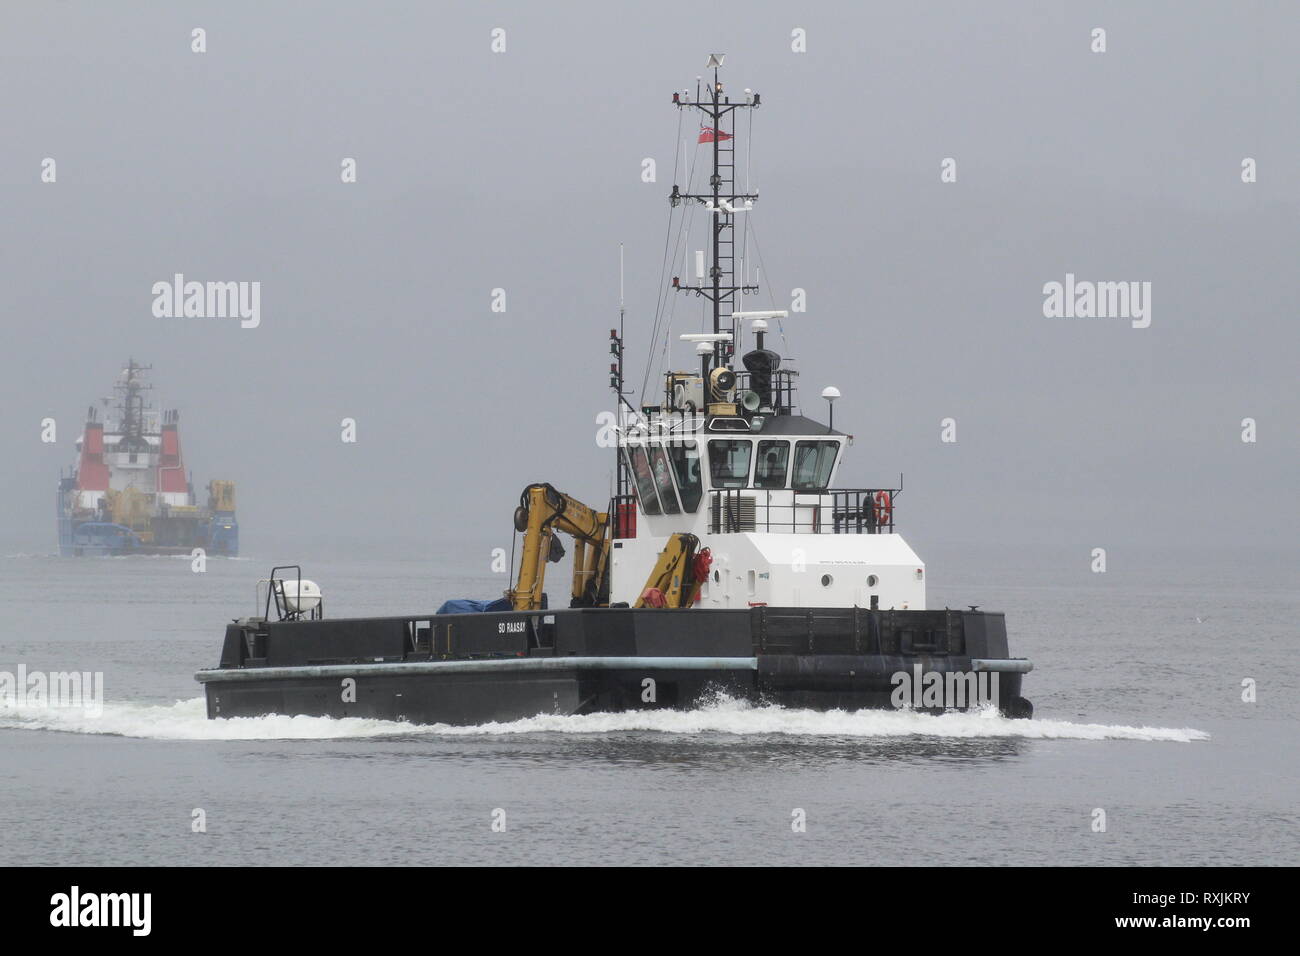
[542, 512]
[221, 495]
[672, 583]
[129, 507]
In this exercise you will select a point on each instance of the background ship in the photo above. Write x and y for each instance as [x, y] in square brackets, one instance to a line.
[129, 492]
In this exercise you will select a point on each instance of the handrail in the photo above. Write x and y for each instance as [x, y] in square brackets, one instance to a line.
[830, 511]
[784, 389]
[281, 609]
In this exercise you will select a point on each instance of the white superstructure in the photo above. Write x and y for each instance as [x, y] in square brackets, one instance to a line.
[762, 499]
[725, 455]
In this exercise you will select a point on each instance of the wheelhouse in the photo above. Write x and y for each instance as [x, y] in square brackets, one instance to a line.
[672, 474]
[723, 481]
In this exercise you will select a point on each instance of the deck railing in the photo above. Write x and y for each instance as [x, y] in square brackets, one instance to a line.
[833, 511]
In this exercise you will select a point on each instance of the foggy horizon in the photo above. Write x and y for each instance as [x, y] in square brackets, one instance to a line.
[521, 170]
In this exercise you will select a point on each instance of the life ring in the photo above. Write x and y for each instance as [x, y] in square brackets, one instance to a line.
[882, 508]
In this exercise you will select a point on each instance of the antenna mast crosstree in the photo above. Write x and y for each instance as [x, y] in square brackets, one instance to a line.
[722, 201]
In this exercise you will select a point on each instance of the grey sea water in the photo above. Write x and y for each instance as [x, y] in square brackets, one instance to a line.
[1137, 688]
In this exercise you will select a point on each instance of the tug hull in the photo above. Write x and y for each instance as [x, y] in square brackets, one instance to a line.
[477, 668]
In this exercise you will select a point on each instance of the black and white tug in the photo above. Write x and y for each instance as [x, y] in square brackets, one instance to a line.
[726, 561]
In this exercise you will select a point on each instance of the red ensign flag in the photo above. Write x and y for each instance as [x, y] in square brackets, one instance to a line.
[707, 133]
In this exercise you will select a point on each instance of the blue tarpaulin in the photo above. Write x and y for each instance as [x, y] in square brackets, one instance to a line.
[470, 606]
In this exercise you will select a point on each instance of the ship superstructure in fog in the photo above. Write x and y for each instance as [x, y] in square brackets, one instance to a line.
[129, 491]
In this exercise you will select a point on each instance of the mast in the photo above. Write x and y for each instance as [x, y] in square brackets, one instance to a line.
[132, 407]
[722, 201]
[623, 482]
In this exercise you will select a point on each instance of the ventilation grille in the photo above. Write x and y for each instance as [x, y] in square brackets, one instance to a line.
[733, 513]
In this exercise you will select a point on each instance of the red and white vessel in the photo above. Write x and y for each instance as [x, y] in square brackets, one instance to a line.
[129, 492]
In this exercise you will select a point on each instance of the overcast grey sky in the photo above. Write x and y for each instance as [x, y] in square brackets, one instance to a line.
[521, 170]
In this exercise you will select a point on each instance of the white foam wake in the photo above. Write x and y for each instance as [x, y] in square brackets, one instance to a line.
[187, 720]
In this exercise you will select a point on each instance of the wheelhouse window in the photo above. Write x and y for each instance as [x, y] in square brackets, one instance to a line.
[663, 475]
[686, 463]
[645, 482]
[813, 462]
[729, 463]
[773, 460]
